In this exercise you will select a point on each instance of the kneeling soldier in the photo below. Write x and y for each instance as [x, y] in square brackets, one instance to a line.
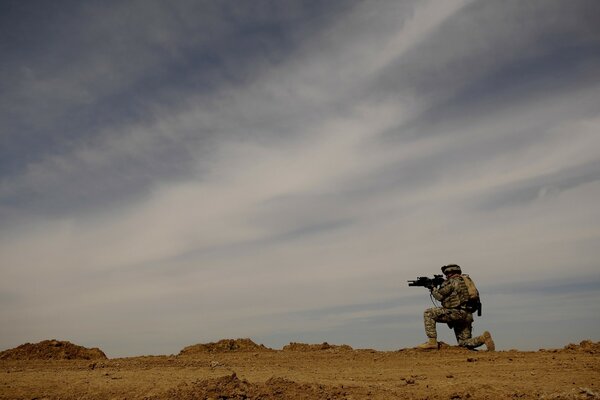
[453, 294]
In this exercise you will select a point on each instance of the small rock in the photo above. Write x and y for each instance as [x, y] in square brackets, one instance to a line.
[589, 392]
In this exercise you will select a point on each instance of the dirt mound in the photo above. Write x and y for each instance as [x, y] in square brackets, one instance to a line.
[224, 346]
[364, 374]
[293, 346]
[585, 346]
[232, 388]
[443, 347]
[52, 350]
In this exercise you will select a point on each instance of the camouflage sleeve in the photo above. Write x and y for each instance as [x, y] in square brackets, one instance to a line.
[444, 291]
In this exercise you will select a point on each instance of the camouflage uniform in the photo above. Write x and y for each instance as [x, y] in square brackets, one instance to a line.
[453, 294]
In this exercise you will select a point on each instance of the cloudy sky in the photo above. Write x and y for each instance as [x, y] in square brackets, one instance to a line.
[178, 172]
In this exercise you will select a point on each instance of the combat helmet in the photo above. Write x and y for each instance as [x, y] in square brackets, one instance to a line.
[451, 268]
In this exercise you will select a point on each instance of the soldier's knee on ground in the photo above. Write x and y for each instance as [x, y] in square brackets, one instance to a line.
[467, 344]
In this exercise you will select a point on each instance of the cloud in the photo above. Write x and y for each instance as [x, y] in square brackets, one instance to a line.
[294, 195]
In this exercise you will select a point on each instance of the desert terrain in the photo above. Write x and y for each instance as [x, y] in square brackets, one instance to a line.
[242, 369]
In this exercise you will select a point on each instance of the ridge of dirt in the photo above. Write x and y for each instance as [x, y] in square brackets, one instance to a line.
[52, 350]
[232, 388]
[442, 347]
[293, 346]
[585, 346]
[224, 346]
[567, 373]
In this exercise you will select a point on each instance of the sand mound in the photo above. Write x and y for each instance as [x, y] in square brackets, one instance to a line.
[232, 388]
[52, 350]
[224, 346]
[442, 347]
[316, 347]
[585, 346]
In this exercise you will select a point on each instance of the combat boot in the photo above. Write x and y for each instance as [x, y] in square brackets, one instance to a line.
[430, 344]
[488, 341]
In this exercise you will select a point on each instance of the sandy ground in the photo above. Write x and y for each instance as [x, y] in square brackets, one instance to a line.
[451, 373]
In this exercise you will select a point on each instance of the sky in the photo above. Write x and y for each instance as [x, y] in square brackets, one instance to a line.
[179, 172]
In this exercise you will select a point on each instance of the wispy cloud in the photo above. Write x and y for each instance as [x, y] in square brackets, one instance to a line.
[298, 177]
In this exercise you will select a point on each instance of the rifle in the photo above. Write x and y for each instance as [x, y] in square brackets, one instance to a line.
[429, 283]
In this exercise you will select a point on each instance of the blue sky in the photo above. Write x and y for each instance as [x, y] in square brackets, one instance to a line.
[180, 172]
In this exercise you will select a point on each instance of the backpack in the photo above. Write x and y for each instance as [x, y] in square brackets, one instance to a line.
[473, 302]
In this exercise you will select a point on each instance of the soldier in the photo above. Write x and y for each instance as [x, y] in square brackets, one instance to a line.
[454, 295]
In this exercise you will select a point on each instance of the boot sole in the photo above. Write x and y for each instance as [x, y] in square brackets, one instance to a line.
[489, 342]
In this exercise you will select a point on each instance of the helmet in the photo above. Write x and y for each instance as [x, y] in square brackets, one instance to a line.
[451, 268]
